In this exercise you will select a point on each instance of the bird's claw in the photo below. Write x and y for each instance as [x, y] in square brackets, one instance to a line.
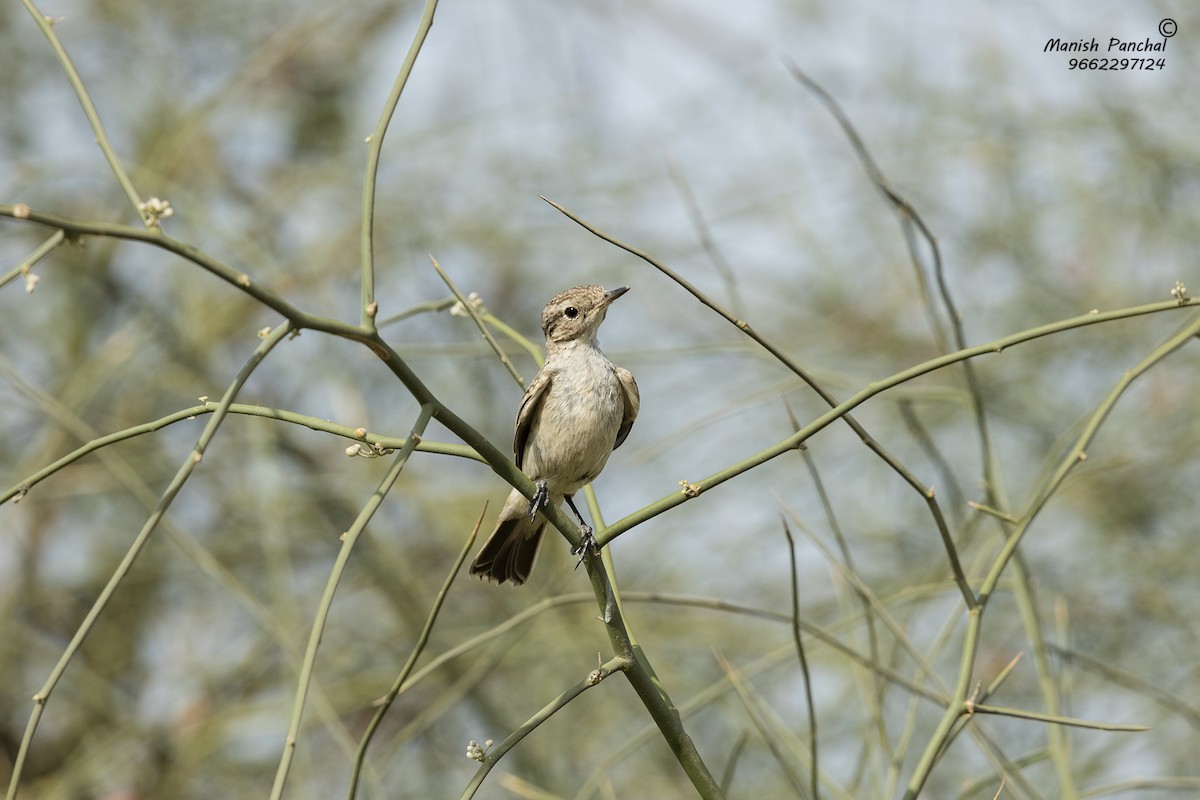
[587, 544]
[540, 498]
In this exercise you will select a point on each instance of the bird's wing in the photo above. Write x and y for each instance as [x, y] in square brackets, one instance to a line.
[632, 401]
[531, 404]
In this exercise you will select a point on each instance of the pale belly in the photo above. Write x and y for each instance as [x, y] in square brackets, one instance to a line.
[573, 436]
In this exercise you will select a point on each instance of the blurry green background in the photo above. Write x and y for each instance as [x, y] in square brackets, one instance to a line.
[678, 128]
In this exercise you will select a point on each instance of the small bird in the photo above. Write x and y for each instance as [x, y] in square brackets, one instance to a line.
[576, 411]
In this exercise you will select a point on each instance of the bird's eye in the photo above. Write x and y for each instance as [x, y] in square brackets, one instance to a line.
[571, 311]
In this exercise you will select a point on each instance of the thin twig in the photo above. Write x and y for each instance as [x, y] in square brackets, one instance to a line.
[377, 443]
[534, 350]
[1170, 701]
[808, 693]
[420, 308]
[349, 539]
[756, 716]
[925, 441]
[705, 234]
[374, 148]
[30, 261]
[907, 215]
[876, 692]
[493, 756]
[1055, 719]
[470, 310]
[881, 612]
[1058, 742]
[93, 116]
[735, 755]
[386, 702]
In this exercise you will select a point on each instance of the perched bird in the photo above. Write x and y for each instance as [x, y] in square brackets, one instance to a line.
[576, 411]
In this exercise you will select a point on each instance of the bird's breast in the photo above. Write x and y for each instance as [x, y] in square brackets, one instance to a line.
[577, 424]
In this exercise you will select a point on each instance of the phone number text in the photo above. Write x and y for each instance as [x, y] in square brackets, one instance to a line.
[1117, 63]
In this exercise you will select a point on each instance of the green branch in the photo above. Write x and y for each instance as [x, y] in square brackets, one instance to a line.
[46, 26]
[377, 444]
[367, 231]
[693, 490]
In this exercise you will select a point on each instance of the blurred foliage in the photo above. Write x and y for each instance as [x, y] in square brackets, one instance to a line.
[675, 127]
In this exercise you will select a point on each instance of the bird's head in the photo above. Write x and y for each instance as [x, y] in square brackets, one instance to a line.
[577, 313]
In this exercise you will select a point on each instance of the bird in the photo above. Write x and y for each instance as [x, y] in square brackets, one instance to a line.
[577, 410]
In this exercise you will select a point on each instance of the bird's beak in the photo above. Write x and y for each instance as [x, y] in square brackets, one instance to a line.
[613, 294]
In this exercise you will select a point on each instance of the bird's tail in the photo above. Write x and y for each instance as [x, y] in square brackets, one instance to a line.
[509, 553]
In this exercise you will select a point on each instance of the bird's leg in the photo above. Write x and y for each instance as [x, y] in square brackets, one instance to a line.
[587, 544]
[540, 498]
